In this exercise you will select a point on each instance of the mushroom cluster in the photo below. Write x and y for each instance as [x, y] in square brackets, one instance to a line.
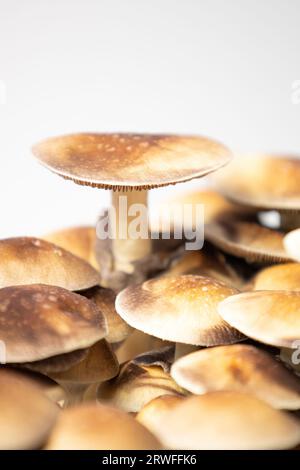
[136, 342]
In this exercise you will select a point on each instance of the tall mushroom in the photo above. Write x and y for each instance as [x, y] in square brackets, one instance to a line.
[129, 164]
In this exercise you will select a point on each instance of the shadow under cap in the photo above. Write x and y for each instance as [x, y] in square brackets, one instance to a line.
[38, 322]
[99, 427]
[271, 317]
[27, 260]
[239, 368]
[182, 309]
[228, 421]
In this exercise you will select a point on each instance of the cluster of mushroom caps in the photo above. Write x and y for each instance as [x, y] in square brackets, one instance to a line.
[139, 344]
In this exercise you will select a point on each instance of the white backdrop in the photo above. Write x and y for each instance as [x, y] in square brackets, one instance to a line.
[213, 67]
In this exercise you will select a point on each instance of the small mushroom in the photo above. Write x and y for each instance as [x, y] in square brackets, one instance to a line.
[99, 427]
[227, 421]
[157, 410]
[81, 241]
[129, 164]
[99, 365]
[271, 317]
[248, 240]
[139, 381]
[291, 243]
[27, 260]
[38, 322]
[118, 329]
[264, 182]
[27, 415]
[278, 277]
[182, 309]
[238, 368]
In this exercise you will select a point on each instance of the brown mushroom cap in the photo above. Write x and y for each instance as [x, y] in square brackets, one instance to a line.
[247, 240]
[138, 384]
[26, 260]
[98, 427]
[54, 364]
[228, 421]
[99, 364]
[247, 181]
[27, 415]
[292, 244]
[81, 241]
[181, 309]
[118, 329]
[271, 317]
[38, 321]
[156, 410]
[138, 161]
[278, 277]
[238, 368]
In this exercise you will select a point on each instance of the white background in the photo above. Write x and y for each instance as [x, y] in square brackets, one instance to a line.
[213, 67]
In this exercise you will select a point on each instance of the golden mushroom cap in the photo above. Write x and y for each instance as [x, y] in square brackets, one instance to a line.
[262, 181]
[278, 277]
[238, 368]
[247, 239]
[181, 309]
[80, 241]
[38, 322]
[138, 161]
[99, 427]
[271, 317]
[27, 260]
[27, 415]
[156, 410]
[228, 421]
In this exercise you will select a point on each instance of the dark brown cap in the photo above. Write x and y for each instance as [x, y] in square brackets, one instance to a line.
[137, 161]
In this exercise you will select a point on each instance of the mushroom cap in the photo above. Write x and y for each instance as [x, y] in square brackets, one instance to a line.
[138, 343]
[99, 427]
[80, 241]
[156, 410]
[291, 243]
[27, 415]
[238, 368]
[228, 421]
[58, 363]
[271, 317]
[38, 322]
[99, 364]
[247, 239]
[138, 384]
[137, 161]
[118, 329]
[27, 260]
[181, 309]
[247, 181]
[278, 277]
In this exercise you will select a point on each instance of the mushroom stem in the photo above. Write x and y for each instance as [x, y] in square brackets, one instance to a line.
[182, 349]
[289, 221]
[132, 241]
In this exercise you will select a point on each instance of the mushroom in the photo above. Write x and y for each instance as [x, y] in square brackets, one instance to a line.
[99, 427]
[238, 368]
[118, 329]
[291, 243]
[27, 260]
[138, 343]
[38, 322]
[227, 421]
[181, 309]
[278, 277]
[99, 365]
[265, 182]
[81, 241]
[271, 317]
[248, 240]
[157, 410]
[27, 415]
[129, 164]
[139, 381]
